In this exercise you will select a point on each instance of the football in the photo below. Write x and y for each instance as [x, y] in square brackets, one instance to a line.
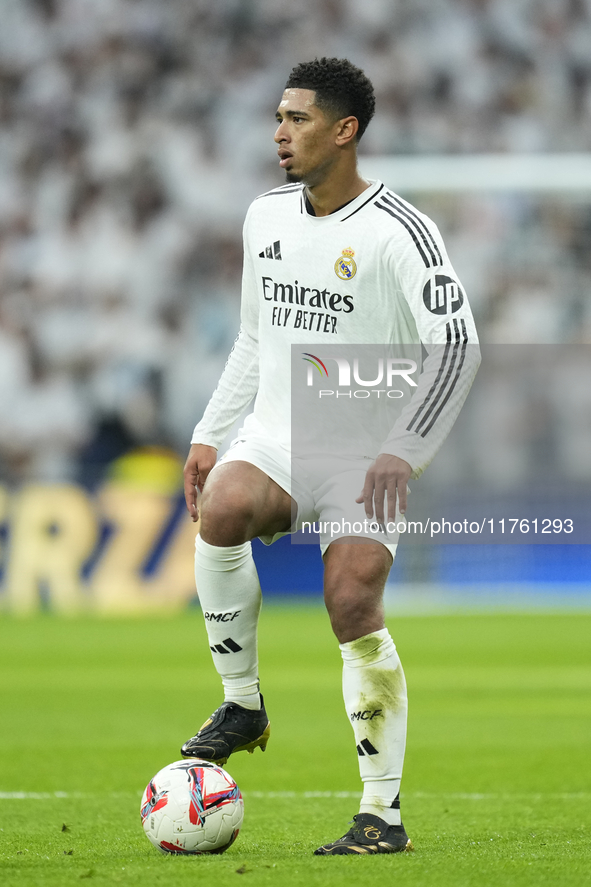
[192, 807]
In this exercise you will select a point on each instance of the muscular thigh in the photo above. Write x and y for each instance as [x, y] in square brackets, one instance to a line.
[240, 502]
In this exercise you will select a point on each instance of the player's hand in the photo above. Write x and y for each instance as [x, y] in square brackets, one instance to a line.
[200, 461]
[388, 475]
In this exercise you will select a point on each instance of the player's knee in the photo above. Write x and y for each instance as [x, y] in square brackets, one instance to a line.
[353, 602]
[356, 566]
[353, 615]
[227, 514]
[346, 607]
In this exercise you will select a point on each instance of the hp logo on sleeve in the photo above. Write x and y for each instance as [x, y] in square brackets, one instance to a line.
[442, 295]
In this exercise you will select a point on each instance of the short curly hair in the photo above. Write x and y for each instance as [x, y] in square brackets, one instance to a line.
[342, 90]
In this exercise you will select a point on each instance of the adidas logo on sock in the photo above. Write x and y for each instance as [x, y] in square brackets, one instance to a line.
[366, 748]
[232, 646]
[271, 252]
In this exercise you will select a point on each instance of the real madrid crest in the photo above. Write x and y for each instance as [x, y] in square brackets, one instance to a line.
[345, 266]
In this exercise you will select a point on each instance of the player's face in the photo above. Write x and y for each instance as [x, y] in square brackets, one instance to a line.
[306, 137]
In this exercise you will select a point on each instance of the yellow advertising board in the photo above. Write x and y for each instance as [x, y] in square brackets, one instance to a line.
[123, 550]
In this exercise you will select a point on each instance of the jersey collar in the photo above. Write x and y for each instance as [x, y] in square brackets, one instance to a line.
[346, 211]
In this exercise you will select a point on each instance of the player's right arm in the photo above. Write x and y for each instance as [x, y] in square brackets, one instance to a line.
[238, 385]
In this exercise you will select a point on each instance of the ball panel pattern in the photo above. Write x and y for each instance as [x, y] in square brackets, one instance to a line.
[192, 807]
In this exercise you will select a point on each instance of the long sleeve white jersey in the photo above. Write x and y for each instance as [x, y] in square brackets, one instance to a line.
[375, 271]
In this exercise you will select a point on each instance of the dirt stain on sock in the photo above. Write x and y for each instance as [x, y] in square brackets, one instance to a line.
[368, 647]
[386, 693]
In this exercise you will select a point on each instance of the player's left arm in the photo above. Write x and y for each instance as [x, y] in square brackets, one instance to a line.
[428, 284]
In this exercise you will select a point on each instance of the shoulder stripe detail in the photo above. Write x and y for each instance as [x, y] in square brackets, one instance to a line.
[369, 199]
[409, 229]
[437, 397]
[277, 192]
[419, 224]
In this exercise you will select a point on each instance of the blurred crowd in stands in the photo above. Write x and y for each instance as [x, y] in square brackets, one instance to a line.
[134, 134]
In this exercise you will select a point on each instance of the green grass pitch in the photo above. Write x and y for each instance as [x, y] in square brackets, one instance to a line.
[497, 787]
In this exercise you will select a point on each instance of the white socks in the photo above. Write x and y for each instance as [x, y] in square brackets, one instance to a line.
[230, 597]
[374, 689]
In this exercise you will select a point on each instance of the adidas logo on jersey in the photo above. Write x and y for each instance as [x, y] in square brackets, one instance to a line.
[271, 252]
[227, 646]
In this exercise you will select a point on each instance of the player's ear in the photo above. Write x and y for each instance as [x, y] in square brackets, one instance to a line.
[347, 130]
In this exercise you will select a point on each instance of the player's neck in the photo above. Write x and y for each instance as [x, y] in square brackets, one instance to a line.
[341, 186]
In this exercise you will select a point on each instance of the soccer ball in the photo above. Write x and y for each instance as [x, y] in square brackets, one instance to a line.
[192, 807]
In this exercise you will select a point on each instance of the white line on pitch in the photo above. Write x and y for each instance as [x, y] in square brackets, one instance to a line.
[459, 796]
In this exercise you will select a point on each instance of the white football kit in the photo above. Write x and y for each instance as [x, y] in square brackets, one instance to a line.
[374, 271]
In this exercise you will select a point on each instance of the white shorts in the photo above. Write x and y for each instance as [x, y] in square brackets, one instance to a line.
[324, 489]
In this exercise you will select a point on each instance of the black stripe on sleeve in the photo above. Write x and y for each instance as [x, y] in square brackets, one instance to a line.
[409, 229]
[420, 226]
[442, 387]
[435, 383]
[455, 379]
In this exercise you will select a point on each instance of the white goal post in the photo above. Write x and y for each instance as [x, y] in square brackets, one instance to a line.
[481, 172]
